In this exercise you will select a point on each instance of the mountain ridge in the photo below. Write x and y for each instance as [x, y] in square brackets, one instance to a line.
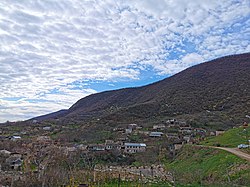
[219, 85]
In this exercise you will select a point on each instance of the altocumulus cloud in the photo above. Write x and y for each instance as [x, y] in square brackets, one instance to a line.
[48, 46]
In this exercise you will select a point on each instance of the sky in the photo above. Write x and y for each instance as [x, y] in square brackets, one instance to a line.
[52, 53]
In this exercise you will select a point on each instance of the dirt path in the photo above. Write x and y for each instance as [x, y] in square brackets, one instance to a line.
[236, 152]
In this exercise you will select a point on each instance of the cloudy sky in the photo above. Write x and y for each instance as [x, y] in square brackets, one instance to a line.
[53, 53]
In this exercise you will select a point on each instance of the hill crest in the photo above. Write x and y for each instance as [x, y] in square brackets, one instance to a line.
[219, 86]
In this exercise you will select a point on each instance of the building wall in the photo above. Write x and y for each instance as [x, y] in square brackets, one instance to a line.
[134, 149]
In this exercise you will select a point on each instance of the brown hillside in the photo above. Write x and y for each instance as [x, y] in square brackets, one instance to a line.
[220, 86]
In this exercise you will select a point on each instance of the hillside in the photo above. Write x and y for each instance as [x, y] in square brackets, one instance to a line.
[231, 138]
[200, 166]
[57, 114]
[211, 93]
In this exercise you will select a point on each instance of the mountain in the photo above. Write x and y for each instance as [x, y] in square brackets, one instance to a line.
[212, 93]
[56, 114]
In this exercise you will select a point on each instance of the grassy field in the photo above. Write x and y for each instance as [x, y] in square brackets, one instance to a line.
[206, 166]
[230, 138]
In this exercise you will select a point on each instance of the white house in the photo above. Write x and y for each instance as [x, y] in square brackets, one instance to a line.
[128, 131]
[15, 138]
[156, 134]
[48, 128]
[134, 147]
[159, 127]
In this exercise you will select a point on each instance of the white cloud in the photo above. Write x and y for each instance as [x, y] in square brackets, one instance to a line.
[191, 59]
[48, 45]
[43, 103]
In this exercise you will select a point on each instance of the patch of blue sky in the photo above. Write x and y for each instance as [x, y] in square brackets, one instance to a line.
[36, 100]
[147, 76]
[180, 50]
[12, 98]
[55, 91]
[236, 28]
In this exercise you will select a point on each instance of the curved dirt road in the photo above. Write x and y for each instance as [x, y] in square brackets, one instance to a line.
[235, 151]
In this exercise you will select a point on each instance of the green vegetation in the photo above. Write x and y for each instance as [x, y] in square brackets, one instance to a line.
[230, 138]
[206, 166]
[54, 135]
[103, 135]
[136, 138]
[136, 164]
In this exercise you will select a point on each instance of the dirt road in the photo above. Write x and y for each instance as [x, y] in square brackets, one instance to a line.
[236, 152]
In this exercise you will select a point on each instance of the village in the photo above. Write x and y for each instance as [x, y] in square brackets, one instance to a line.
[173, 134]
[131, 151]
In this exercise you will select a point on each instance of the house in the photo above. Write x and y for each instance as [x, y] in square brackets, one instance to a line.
[156, 134]
[143, 132]
[82, 147]
[159, 127]
[185, 129]
[171, 121]
[182, 123]
[15, 160]
[43, 138]
[187, 138]
[200, 130]
[47, 128]
[15, 138]
[178, 146]
[67, 150]
[128, 131]
[138, 127]
[173, 126]
[16, 163]
[132, 126]
[110, 144]
[113, 146]
[172, 136]
[118, 129]
[217, 133]
[134, 147]
[212, 133]
[97, 147]
[245, 125]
